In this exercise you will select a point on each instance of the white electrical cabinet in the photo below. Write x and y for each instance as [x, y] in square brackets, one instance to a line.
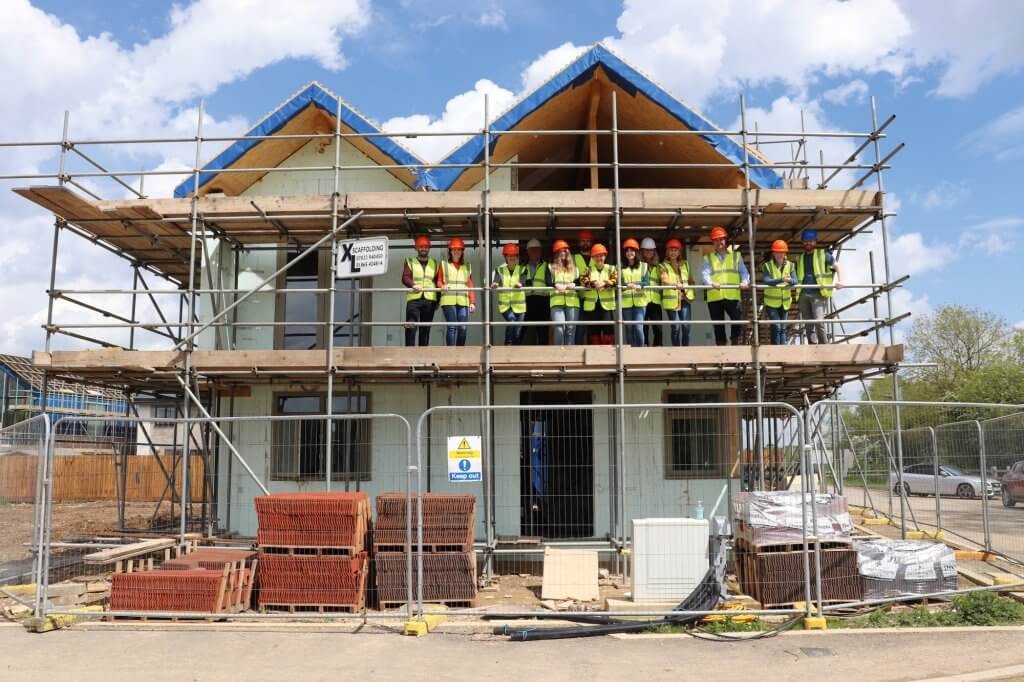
[670, 556]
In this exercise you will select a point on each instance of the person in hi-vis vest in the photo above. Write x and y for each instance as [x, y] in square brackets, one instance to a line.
[458, 300]
[599, 296]
[652, 332]
[537, 303]
[777, 273]
[674, 272]
[634, 277]
[564, 278]
[584, 243]
[725, 272]
[509, 278]
[418, 275]
[818, 271]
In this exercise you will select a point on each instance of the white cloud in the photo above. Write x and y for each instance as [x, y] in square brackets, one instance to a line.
[492, 17]
[1002, 137]
[855, 90]
[117, 91]
[944, 195]
[995, 236]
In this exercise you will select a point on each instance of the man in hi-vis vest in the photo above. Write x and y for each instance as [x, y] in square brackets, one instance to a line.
[777, 273]
[420, 303]
[538, 304]
[725, 272]
[818, 271]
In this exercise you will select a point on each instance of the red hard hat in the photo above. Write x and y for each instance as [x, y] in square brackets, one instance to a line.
[585, 235]
[599, 250]
[510, 250]
[631, 244]
[422, 240]
[719, 233]
[674, 244]
[559, 245]
[779, 246]
[456, 243]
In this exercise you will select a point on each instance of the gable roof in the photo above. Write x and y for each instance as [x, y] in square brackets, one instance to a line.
[295, 113]
[625, 77]
[32, 376]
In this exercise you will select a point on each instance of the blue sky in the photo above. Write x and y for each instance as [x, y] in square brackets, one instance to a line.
[951, 72]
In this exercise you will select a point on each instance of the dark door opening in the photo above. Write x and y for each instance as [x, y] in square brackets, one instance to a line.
[556, 465]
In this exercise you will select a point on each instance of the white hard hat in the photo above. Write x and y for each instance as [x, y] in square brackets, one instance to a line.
[648, 243]
[533, 244]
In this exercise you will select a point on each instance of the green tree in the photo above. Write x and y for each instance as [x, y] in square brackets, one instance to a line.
[958, 340]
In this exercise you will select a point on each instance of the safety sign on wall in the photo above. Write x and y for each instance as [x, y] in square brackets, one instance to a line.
[362, 257]
[464, 462]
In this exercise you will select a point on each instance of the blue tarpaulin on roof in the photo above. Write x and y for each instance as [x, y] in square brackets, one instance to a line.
[316, 95]
[627, 78]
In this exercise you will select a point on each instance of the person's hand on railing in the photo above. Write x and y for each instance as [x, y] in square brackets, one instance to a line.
[472, 307]
[744, 285]
[633, 286]
[494, 285]
[517, 285]
[417, 288]
[716, 285]
[562, 287]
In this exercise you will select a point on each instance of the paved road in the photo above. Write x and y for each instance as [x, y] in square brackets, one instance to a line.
[258, 654]
[963, 517]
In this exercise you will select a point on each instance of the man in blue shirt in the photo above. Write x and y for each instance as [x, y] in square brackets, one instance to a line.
[818, 273]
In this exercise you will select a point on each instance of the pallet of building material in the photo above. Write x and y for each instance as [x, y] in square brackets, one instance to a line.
[448, 522]
[448, 578]
[741, 544]
[394, 504]
[241, 565]
[325, 520]
[214, 558]
[776, 579]
[321, 581]
[778, 517]
[891, 568]
[198, 591]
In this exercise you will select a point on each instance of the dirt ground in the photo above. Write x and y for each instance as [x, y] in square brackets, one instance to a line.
[70, 519]
[511, 591]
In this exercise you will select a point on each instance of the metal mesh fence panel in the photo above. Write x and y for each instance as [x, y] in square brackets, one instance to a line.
[22, 461]
[1004, 455]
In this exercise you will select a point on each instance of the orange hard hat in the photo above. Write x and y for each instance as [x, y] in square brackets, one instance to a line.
[779, 246]
[510, 250]
[674, 244]
[456, 243]
[631, 244]
[599, 250]
[585, 236]
[559, 245]
[422, 240]
[719, 233]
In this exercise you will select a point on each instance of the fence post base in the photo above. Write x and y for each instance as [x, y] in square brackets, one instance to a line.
[418, 627]
[815, 623]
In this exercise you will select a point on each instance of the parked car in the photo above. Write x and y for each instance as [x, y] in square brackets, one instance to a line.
[919, 479]
[1013, 485]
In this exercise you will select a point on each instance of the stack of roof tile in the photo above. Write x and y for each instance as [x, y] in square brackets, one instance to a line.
[313, 551]
[200, 591]
[449, 563]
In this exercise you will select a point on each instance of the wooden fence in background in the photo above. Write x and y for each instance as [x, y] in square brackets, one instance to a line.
[78, 478]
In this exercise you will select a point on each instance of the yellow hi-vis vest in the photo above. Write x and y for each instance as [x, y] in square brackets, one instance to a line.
[633, 298]
[780, 295]
[516, 300]
[422, 276]
[654, 295]
[582, 264]
[606, 295]
[538, 280]
[726, 272]
[822, 273]
[567, 299]
[456, 277]
[669, 277]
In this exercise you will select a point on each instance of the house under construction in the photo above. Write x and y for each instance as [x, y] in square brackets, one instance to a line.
[247, 251]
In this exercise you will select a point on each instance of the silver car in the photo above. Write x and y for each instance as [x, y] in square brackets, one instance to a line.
[919, 479]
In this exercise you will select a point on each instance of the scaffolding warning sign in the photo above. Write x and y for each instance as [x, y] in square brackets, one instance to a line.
[362, 257]
[464, 462]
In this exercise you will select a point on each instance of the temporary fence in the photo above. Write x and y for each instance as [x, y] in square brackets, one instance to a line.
[523, 510]
[22, 457]
[950, 467]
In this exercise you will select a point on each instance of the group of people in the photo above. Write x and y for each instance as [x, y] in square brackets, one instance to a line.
[581, 286]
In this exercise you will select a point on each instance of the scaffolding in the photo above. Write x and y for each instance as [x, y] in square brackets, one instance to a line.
[170, 240]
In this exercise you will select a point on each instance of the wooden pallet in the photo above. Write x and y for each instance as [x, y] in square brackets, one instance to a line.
[314, 608]
[450, 603]
[428, 548]
[300, 550]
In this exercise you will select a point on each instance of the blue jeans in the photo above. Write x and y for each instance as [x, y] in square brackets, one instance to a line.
[513, 332]
[778, 330]
[455, 335]
[564, 317]
[634, 330]
[680, 332]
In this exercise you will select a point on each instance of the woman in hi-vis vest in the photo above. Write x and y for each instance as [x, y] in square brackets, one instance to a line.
[508, 279]
[674, 272]
[455, 280]
[564, 278]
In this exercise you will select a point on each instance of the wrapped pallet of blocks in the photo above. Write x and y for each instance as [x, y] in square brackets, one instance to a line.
[449, 562]
[891, 568]
[768, 531]
[313, 551]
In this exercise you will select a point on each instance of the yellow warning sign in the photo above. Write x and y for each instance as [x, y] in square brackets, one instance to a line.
[465, 465]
